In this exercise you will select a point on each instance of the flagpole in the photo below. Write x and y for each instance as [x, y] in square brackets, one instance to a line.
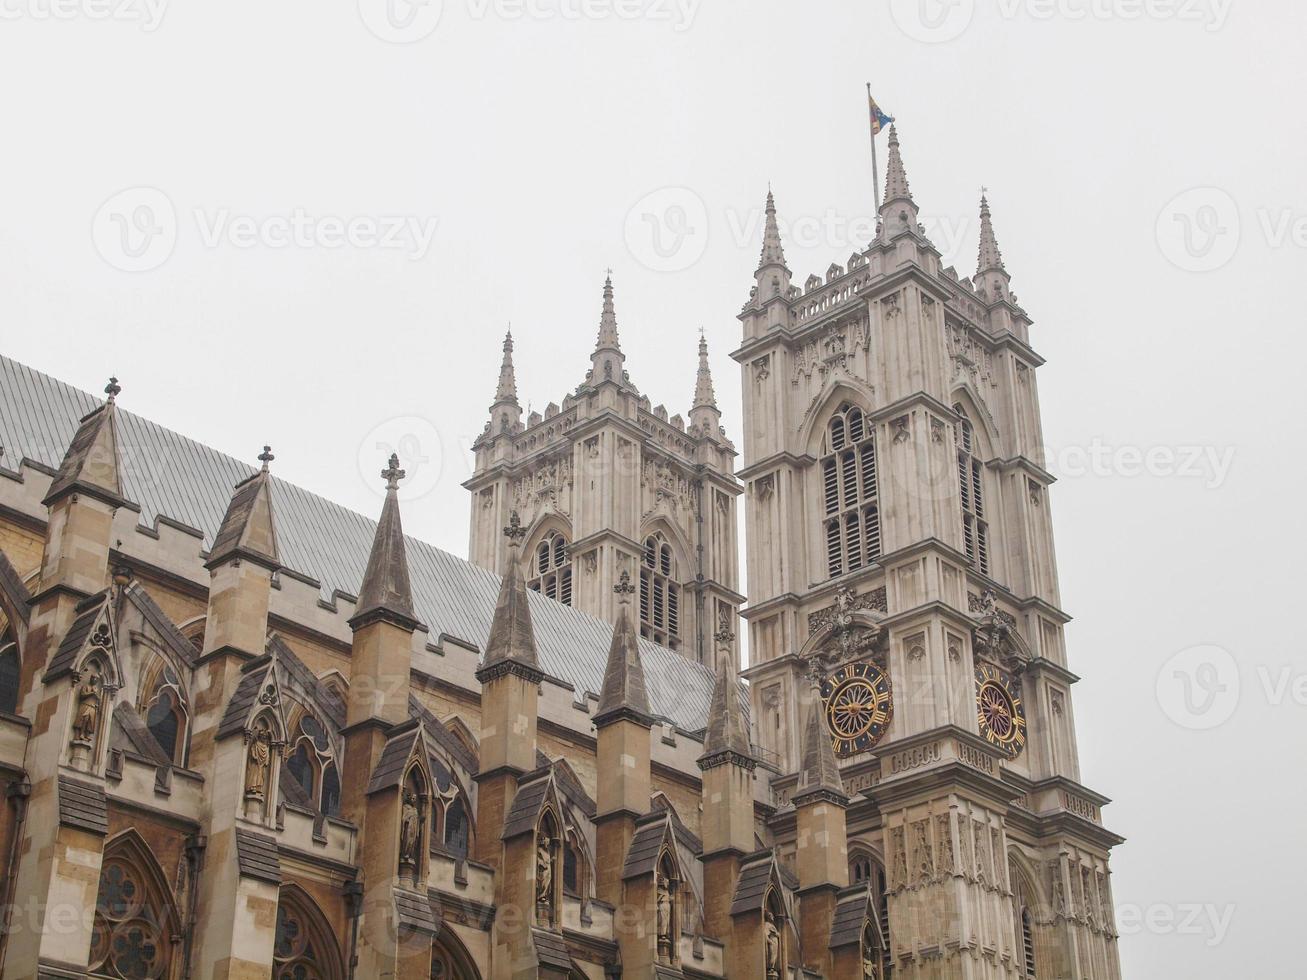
[875, 171]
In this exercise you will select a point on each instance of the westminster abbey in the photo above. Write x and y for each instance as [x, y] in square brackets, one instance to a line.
[248, 733]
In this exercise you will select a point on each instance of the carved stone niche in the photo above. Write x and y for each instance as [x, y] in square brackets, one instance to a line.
[849, 629]
[994, 636]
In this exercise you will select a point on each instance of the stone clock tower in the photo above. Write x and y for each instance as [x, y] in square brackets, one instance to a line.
[607, 483]
[900, 549]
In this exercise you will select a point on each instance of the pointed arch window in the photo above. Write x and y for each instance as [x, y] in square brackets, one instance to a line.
[850, 486]
[551, 568]
[163, 706]
[303, 947]
[9, 673]
[660, 593]
[1023, 896]
[971, 486]
[312, 764]
[457, 829]
[865, 868]
[134, 921]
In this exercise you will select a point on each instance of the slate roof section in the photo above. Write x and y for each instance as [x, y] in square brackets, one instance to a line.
[157, 618]
[624, 694]
[11, 584]
[512, 636]
[247, 694]
[751, 886]
[851, 910]
[329, 544]
[389, 770]
[256, 857]
[440, 732]
[525, 812]
[248, 528]
[551, 949]
[819, 775]
[88, 611]
[92, 462]
[82, 805]
[131, 734]
[414, 910]
[646, 845]
[386, 591]
[330, 706]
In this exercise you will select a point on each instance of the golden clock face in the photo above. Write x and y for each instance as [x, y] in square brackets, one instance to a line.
[859, 705]
[999, 712]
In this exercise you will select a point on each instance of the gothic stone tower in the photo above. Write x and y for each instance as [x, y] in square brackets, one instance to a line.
[900, 545]
[607, 484]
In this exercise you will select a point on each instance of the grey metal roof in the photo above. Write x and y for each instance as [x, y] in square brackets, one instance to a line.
[183, 481]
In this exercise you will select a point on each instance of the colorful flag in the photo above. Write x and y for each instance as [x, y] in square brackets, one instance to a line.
[879, 120]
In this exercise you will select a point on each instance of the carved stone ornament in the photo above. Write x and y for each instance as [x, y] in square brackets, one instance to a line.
[258, 762]
[995, 636]
[848, 638]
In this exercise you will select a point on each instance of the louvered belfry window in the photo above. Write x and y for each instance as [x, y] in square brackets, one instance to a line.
[850, 492]
[551, 568]
[971, 485]
[660, 594]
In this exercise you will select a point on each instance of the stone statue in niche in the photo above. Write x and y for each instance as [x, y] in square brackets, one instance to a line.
[773, 939]
[544, 879]
[90, 697]
[664, 916]
[258, 760]
[409, 833]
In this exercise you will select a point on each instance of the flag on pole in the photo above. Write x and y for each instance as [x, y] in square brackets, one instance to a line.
[879, 119]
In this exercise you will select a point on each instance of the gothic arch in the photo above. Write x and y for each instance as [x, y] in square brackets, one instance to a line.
[163, 703]
[543, 525]
[305, 945]
[965, 395]
[827, 403]
[135, 913]
[681, 547]
[1029, 911]
[450, 959]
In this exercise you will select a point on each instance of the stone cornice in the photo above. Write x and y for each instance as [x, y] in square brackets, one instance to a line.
[1028, 465]
[775, 461]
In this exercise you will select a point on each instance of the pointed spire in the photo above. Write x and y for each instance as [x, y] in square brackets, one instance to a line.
[773, 254]
[512, 644]
[990, 258]
[820, 774]
[704, 396]
[625, 694]
[386, 592]
[726, 738]
[896, 177]
[248, 529]
[93, 464]
[506, 392]
[607, 339]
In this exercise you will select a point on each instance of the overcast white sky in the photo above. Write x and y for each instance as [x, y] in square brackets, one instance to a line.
[530, 132]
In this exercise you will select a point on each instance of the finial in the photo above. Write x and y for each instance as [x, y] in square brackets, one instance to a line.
[266, 457]
[624, 588]
[515, 532]
[392, 474]
[112, 388]
[724, 636]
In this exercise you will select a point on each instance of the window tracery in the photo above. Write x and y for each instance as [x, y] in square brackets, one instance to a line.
[850, 492]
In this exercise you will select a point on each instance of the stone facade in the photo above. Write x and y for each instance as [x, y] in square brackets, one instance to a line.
[218, 764]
